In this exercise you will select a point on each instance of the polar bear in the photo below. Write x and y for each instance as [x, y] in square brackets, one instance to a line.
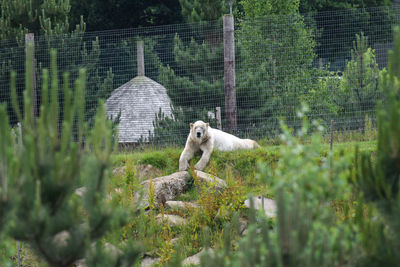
[203, 137]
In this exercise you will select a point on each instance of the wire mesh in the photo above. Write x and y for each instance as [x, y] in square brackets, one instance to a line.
[329, 60]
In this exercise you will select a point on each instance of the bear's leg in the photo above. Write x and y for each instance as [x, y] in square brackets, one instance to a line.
[203, 160]
[186, 156]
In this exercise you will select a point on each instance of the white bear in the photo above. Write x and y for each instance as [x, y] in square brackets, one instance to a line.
[203, 137]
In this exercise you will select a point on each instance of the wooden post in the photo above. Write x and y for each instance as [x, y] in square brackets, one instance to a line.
[30, 40]
[218, 116]
[229, 74]
[331, 141]
[18, 244]
[140, 58]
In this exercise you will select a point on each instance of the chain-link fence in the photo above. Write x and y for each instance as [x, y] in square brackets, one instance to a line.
[331, 61]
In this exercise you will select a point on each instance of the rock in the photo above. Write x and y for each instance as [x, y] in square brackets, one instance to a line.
[165, 188]
[119, 171]
[118, 190]
[211, 180]
[143, 171]
[181, 205]
[61, 239]
[80, 191]
[258, 231]
[172, 220]
[175, 240]
[243, 225]
[269, 205]
[112, 250]
[195, 259]
[148, 261]
[80, 263]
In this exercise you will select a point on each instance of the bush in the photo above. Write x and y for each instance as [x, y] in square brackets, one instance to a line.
[307, 231]
[52, 156]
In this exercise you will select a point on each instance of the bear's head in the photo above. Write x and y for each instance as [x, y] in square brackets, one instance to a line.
[199, 131]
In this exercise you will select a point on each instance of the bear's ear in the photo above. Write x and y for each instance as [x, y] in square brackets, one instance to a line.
[191, 125]
[207, 124]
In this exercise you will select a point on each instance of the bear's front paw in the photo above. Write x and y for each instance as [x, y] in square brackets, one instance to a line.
[183, 166]
[199, 166]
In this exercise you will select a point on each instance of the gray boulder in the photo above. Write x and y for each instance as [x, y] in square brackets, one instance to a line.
[195, 259]
[165, 188]
[211, 181]
[181, 205]
[170, 219]
[266, 204]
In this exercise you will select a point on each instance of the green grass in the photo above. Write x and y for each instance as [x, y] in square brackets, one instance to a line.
[239, 168]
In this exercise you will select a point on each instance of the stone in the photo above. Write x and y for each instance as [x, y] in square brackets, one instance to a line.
[149, 261]
[269, 205]
[211, 180]
[243, 225]
[172, 220]
[181, 205]
[80, 263]
[61, 239]
[142, 171]
[119, 171]
[112, 250]
[195, 259]
[165, 188]
[146, 171]
[80, 191]
[175, 240]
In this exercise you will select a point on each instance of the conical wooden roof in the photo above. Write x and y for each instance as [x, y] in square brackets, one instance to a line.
[138, 100]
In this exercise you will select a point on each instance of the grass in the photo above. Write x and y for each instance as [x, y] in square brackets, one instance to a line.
[239, 169]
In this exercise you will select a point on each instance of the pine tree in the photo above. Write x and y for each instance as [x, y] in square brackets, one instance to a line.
[46, 17]
[359, 87]
[195, 78]
[203, 10]
[49, 21]
[275, 63]
[44, 166]
[378, 177]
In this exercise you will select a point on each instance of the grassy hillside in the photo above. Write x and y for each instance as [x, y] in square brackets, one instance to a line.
[239, 169]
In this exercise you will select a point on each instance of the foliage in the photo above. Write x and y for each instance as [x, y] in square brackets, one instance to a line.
[203, 10]
[187, 85]
[39, 17]
[349, 98]
[46, 212]
[374, 18]
[324, 5]
[307, 232]
[48, 20]
[378, 180]
[276, 55]
[254, 8]
[359, 87]
[126, 13]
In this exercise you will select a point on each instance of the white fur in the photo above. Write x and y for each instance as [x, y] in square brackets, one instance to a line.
[203, 137]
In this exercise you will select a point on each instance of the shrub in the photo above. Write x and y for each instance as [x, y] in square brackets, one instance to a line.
[307, 232]
[54, 155]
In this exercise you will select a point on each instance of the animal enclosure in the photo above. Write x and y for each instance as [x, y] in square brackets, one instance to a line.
[331, 61]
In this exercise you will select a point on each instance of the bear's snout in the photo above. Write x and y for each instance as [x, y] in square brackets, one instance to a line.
[198, 134]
